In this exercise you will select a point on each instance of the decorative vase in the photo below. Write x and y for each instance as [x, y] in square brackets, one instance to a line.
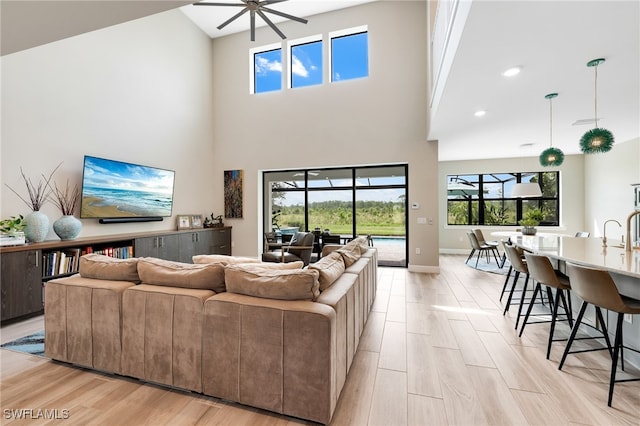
[528, 230]
[68, 227]
[37, 226]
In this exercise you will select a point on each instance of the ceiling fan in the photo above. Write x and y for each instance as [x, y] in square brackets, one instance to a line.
[253, 7]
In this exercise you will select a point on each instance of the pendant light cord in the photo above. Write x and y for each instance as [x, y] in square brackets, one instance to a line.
[596, 97]
[550, 123]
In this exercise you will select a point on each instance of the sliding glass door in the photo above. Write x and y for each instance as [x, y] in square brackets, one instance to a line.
[344, 201]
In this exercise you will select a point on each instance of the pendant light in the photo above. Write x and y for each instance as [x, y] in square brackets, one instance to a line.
[526, 190]
[551, 156]
[597, 139]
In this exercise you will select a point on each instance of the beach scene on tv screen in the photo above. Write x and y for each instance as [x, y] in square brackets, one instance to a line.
[116, 189]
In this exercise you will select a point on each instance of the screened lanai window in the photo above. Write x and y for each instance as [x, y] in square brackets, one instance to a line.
[484, 199]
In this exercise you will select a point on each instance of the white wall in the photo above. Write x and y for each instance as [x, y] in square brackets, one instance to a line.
[138, 92]
[453, 238]
[379, 119]
[607, 186]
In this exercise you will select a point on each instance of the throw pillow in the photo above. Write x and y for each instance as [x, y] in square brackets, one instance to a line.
[330, 268]
[286, 284]
[277, 266]
[208, 276]
[350, 252]
[221, 258]
[103, 267]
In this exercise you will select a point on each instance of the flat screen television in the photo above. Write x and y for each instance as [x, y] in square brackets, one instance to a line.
[119, 190]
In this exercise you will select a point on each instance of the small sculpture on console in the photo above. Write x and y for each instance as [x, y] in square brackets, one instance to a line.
[213, 221]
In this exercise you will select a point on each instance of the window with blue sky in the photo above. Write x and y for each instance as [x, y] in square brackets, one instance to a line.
[268, 70]
[306, 64]
[348, 57]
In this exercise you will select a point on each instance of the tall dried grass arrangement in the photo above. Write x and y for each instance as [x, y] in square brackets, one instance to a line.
[38, 194]
[65, 199]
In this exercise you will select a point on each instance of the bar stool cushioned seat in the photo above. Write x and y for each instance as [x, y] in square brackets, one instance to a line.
[541, 270]
[595, 286]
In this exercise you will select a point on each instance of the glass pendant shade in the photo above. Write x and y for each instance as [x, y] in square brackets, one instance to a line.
[597, 139]
[551, 156]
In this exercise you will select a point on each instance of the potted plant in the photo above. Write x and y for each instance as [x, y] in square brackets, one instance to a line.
[530, 220]
[12, 231]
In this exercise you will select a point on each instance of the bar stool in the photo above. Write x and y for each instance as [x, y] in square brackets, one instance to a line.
[541, 270]
[506, 280]
[520, 267]
[596, 286]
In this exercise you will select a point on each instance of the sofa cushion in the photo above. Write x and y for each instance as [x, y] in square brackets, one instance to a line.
[221, 258]
[103, 267]
[350, 252]
[186, 275]
[330, 267]
[279, 266]
[286, 284]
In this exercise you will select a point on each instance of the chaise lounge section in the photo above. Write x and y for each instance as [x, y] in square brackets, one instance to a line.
[272, 336]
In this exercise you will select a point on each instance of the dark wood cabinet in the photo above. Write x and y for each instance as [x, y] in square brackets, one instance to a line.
[195, 243]
[221, 241]
[25, 268]
[160, 246]
[21, 284]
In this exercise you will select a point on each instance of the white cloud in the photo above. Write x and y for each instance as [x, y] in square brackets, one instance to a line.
[298, 68]
[263, 66]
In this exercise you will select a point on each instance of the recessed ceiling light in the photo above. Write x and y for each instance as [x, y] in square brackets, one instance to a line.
[479, 113]
[511, 72]
[527, 145]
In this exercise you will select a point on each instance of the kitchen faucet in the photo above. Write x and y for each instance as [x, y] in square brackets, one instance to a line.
[604, 231]
[628, 246]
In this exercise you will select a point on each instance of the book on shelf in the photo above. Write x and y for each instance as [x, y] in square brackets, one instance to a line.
[61, 262]
[67, 261]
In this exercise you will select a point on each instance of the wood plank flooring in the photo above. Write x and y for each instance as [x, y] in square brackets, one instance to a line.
[436, 350]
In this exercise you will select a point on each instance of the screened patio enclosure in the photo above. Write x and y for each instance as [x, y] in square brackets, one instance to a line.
[345, 201]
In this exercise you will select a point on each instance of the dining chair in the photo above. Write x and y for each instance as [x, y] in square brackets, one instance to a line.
[475, 246]
[596, 287]
[542, 272]
[298, 249]
[482, 241]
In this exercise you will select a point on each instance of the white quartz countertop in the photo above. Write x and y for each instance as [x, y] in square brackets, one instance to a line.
[583, 251]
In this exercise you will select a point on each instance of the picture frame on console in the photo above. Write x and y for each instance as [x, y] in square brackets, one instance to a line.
[196, 221]
[183, 221]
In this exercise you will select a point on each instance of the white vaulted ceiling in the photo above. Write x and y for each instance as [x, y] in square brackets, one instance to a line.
[552, 41]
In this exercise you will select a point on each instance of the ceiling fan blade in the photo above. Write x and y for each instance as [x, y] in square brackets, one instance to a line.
[266, 2]
[284, 15]
[219, 4]
[271, 24]
[253, 25]
[234, 17]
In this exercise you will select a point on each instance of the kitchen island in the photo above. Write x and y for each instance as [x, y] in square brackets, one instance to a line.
[623, 266]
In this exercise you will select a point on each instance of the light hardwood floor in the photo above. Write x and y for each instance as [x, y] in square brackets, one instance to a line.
[436, 350]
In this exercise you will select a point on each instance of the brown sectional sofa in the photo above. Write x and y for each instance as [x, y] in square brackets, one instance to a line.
[233, 328]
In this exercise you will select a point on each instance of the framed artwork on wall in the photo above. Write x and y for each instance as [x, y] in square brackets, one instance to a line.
[233, 194]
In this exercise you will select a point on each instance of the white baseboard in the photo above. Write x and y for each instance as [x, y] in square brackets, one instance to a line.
[424, 269]
[454, 251]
